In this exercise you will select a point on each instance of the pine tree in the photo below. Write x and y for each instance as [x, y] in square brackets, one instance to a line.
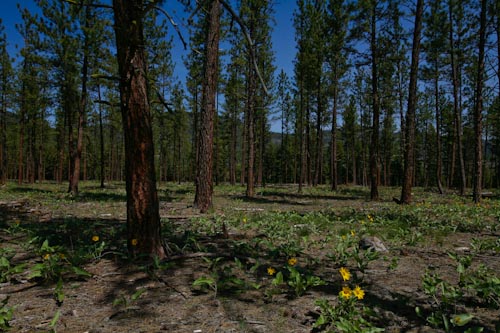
[143, 218]
[6, 72]
[409, 166]
[434, 51]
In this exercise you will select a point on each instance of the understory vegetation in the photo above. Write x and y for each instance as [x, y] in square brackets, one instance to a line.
[301, 257]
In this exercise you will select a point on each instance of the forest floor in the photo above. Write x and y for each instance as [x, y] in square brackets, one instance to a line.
[64, 265]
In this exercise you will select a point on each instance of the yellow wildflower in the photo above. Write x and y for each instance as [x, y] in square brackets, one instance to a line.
[46, 256]
[271, 271]
[370, 218]
[353, 233]
[344, 237]
[346, 292]
[358, 292]
[245, 219]
[346, 275]
[95, 238]
[134, 242]
[292, 261]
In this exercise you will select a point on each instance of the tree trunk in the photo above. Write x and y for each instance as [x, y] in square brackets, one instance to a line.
[374, 147]
[101, 140]
[333, 146]
[3, 131]
[478, 108]
[439, 161]
[143, 218]
[456, 109]
[204, 181]
[409, 153]
[250, 192]
[77, 153]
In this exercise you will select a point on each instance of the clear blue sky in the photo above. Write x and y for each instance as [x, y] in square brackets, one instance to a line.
[283, 35]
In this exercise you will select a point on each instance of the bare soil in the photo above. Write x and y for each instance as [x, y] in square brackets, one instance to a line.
[170, 303]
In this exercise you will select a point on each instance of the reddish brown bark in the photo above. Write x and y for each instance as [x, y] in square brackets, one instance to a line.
[143, 219]
[409, 153]
[478, 109]
[204, 181]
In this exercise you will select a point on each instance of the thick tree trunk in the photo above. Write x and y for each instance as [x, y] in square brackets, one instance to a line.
[478, 109]
[143, 218]
[409, 153]
[204, 181]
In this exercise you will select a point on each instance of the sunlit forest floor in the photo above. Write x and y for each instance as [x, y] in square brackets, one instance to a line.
[281, 262]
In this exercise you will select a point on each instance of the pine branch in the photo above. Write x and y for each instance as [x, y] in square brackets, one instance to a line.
[95, 5]
[174, 24]
[251, 44]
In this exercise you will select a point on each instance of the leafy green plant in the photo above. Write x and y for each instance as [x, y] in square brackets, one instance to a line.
[296, 278]
[221, 278]
[5, 314]
[54, 265]
[125, 301]
[347, 315]
[7, 270]
[444, 307]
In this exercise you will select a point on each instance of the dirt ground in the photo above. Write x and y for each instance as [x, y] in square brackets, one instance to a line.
[168, 302]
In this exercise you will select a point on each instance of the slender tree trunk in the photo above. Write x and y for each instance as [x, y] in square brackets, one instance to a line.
[439, 160]
[232, 160]
[250, 192]
[101, 141]
[456, 108]
[333, 146]
[77, 153]
[204, 179]
[374, 147]
[478, 109]
[20, 159]
[143, 218]
[3, 133]
[409, 153]
[244, 152]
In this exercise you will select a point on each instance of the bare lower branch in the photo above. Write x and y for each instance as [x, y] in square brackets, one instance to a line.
[251, 44]
[95, 5]
[174, 24]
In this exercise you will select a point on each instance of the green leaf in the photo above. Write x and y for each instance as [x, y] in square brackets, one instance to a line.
[55, 319]
[461, 320]
[204, 281]
[137, 294]
[81, 272]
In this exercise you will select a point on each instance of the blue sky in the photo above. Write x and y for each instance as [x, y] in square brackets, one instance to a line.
[283, 35]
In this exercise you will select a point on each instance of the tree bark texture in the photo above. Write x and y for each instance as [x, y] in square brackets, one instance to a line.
[478, 109]
[409, 152]
[374, 147]
[143, 219]
[456, 108]
[204, 179]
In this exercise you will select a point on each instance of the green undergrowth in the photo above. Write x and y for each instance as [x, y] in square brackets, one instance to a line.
[280, 244]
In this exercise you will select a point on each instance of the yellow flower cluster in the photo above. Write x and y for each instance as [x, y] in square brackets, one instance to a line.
[95, 238]
[347, 292]
[271, 271]
[134, 242]
[292, 261]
